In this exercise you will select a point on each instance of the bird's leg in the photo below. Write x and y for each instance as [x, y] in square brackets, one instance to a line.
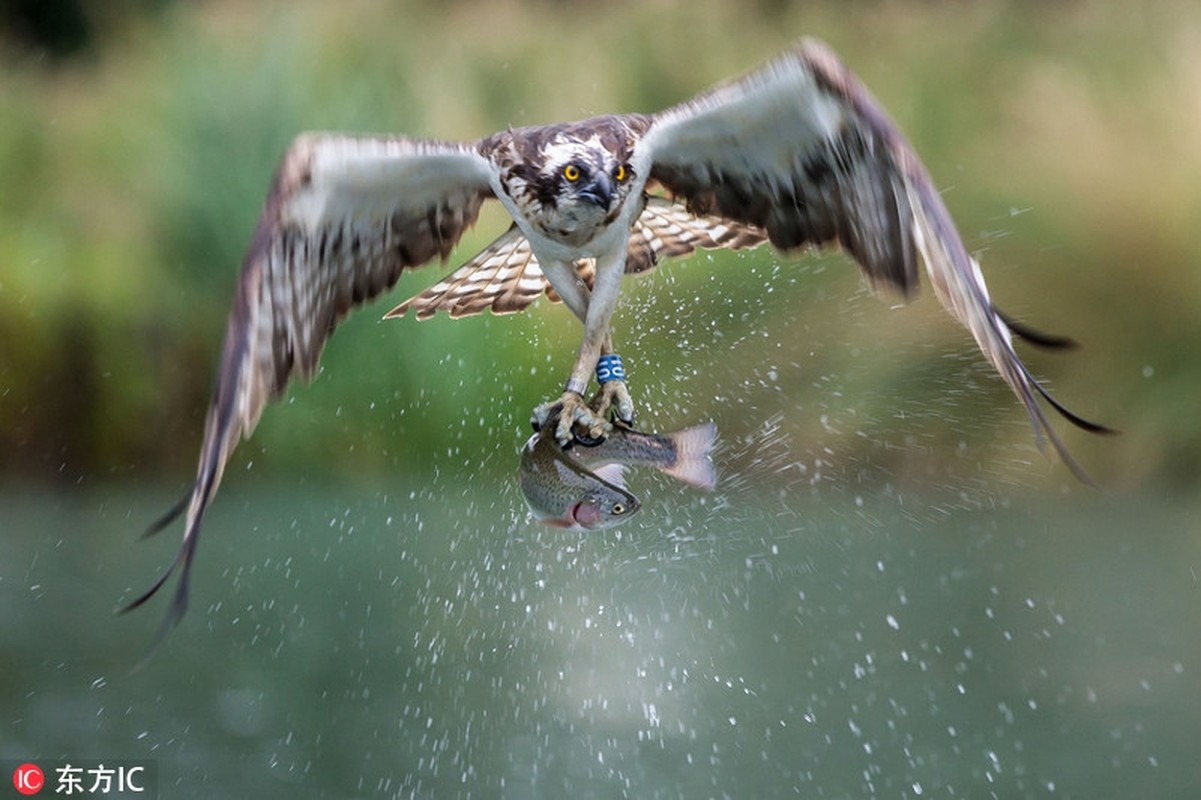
[570, 408]
[570, 413]
[613, 393]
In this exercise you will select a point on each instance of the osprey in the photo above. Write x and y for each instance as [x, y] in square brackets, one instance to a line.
[797, 153]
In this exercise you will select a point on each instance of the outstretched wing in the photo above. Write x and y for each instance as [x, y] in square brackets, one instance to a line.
[801, 150]
[505, 276]
[343, 218]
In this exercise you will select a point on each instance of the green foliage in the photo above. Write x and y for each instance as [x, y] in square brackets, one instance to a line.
[1065, 135]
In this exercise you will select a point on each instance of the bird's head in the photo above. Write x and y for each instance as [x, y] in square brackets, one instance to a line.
[590, 175]
[586, 184]
[570, 181]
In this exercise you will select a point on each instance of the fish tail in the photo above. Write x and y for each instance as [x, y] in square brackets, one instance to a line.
[694, 464]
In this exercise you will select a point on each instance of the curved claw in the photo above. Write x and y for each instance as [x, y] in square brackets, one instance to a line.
[572, 419]
[546, 414]
[586, 441]
[614, 396]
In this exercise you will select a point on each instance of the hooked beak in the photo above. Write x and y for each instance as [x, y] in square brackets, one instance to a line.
[600, 191]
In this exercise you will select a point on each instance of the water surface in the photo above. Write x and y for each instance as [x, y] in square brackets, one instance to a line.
[354, 642]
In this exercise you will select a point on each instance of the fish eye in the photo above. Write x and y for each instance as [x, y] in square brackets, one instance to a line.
[571, 172]
[620, 173]
[619, 508]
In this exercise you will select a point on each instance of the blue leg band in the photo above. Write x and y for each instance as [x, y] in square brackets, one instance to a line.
[610, 368]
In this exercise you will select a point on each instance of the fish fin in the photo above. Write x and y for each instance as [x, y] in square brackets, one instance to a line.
[612, 473]
[694, 464]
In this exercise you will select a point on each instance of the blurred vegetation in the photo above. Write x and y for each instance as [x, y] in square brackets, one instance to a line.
[135, 154]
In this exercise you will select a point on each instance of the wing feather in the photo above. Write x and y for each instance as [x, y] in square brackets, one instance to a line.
[801, 150]
[344, 217]
[667, 229]
[505, 276]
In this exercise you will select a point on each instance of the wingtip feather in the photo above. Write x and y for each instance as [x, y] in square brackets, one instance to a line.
[1028, 389]
[1049, 341]
[179, 602]
[169, 517]
[1065, 412]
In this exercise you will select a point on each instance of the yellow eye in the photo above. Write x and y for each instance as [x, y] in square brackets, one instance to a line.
[618, 508]
[620, 174]
[571, 172]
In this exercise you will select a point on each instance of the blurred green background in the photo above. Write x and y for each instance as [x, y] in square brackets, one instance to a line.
[891, 591]
[134, 164]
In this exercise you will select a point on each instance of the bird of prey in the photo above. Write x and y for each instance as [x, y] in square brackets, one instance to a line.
[796, 153]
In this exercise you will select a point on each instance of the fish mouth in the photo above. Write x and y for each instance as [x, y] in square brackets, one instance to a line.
[572, 515]
[569, 520]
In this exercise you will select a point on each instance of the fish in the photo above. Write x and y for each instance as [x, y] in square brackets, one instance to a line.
[561, 491]
[683, 454]
[583, 488]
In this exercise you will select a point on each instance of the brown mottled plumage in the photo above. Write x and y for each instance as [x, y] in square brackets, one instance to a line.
[797, 153]
[505, 276]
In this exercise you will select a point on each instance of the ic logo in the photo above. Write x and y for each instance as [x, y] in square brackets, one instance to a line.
[28, 779]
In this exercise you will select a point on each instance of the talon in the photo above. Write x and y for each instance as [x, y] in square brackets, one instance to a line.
[625, 406]
[614, 396]
[545, 413]
[573, 420]
[551, 412]
[587, 441]
[563, 434]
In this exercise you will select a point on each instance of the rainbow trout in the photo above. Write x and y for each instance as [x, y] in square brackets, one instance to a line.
[583, 488]
[560, 491]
